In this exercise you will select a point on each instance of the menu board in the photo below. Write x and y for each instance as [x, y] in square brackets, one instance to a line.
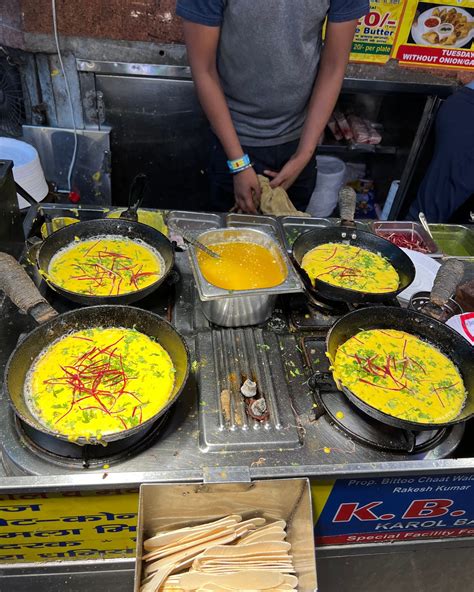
[376, 32]
[437, 34]
[38, 527]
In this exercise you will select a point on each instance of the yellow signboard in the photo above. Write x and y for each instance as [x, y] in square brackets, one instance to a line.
[376, 32]
[67, 526]
[437, 34]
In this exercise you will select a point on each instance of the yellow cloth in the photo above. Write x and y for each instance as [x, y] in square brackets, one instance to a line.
[276, 202]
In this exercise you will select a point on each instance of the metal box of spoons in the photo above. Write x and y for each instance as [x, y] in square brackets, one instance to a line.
[164, 508]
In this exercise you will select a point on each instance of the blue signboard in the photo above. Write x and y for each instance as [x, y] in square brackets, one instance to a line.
[388, 509]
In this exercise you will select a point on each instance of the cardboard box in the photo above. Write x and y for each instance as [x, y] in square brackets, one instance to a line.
[166, 507]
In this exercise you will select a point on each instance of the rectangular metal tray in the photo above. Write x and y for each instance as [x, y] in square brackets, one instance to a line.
[195, 222]
[164, 507]
[293, 226]
[453, 240]
[404, 227]
[268, 224]
[207, 291]
[232, 356]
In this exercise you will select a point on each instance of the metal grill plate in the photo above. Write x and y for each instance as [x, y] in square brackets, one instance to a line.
[227, 357]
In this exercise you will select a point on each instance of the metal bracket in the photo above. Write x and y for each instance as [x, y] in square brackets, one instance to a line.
[226, 474]
[94, 107]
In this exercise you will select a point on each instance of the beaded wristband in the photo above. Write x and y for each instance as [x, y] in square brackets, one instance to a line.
[244, 168]
[237, 165]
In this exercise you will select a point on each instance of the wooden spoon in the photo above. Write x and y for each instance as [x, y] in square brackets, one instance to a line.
[168, 537]
[250, 579]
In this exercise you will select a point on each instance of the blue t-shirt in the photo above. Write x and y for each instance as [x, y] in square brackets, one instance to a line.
[268, 58]
[211, 12]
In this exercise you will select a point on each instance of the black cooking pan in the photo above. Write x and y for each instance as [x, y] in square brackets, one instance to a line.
[91, 228]
[347, 233]
[18, 286]
[448, 341]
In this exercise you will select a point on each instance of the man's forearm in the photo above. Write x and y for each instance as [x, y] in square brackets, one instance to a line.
[327, 87]
[213, 102]
[325, 94]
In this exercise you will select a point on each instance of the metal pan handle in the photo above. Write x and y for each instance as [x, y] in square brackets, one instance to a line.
[25, 195]
[347, 205]
[21, 290]
[447, 279]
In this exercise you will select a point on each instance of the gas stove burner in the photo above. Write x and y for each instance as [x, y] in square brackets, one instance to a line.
[306, 312]
[90, 456]
[305, 315]
[369, 431]
[341, 413]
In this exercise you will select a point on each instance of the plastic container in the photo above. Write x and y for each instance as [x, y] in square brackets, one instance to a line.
[27, 169]
[331, 175]
[242, 308]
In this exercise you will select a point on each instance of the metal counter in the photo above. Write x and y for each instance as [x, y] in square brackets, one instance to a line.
[196, 447]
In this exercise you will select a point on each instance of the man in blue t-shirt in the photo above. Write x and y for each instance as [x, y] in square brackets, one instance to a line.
[448, 186]
[267, 87]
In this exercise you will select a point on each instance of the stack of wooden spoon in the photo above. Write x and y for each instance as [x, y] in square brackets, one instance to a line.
[226, 554]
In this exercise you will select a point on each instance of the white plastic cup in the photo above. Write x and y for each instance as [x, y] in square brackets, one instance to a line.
[331, 173]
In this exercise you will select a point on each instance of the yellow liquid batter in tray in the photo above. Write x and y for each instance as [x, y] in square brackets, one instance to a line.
[99, 381]
[106, 266]
[350, 267]
[401, 375]
[242, 266]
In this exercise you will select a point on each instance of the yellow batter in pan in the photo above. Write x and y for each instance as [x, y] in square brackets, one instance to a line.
[99, 381]
[401, 375]
[350, 267]
[106, 266]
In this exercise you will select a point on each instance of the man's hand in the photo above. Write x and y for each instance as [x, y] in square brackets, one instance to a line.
[247, 191]
[288, 174]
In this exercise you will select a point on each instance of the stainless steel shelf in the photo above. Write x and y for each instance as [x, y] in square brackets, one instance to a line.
[341, 148]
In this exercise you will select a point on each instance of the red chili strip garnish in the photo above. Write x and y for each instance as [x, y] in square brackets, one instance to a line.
[412, 361]
[112, 254]
[390, 335]
[95, 379]
[91, 248]
[355, 255]
[112, 270]
[401, 240]
[402, 388]
[332, 254]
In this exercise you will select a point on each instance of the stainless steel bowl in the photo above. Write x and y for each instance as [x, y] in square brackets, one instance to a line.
[240, 308]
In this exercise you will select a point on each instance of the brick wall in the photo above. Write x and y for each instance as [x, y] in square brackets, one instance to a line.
[134, 20]
[11, 30]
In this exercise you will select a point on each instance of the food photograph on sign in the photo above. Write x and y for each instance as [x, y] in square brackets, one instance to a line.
[442, 25]
[437, 34]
